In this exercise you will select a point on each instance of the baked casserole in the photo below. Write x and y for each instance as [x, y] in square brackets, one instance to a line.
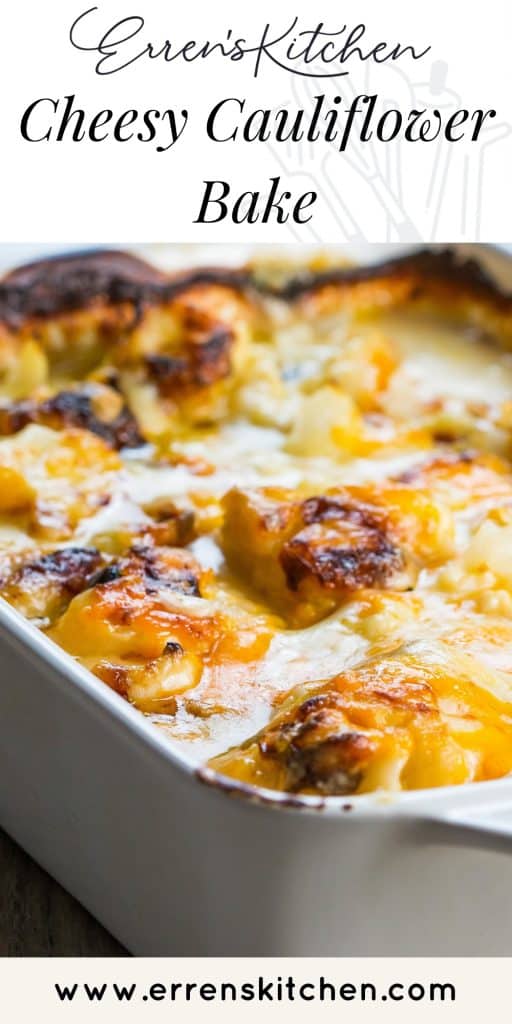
[271, 507]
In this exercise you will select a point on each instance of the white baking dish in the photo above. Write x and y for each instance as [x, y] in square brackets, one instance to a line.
[174, 865]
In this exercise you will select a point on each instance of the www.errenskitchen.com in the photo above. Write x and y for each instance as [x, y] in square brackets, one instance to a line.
[261, 989]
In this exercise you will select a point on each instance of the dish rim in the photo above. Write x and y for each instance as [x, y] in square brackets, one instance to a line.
[434, 803]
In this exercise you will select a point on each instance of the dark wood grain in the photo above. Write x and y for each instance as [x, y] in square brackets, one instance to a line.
[39, 918]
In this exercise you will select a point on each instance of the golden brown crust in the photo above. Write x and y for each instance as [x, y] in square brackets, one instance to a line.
[408, 719]
[47, 288]
[342, 546]
[174, 344]
[169, 344]
[316, 749]
[101, 277]
[169, 526]
[155, 568]
[136, 607]
[309, 556]
[147, 629]
[77, 407]
[432, 281]
[42, 588]
[202, 358]
[441, 267]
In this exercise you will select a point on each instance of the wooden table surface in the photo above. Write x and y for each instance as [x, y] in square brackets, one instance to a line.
[39, 918]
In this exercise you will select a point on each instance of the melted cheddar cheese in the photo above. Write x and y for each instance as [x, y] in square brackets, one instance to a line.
[274, 516]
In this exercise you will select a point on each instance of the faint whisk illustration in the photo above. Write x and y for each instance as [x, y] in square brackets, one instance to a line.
[382, 179]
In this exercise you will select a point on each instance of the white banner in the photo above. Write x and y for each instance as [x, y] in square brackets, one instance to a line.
[224, 990]
[274, 122]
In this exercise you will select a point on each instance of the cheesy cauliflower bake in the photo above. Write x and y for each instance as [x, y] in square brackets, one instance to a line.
[271, 509]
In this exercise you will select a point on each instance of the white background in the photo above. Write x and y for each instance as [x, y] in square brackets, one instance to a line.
[125, 192]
